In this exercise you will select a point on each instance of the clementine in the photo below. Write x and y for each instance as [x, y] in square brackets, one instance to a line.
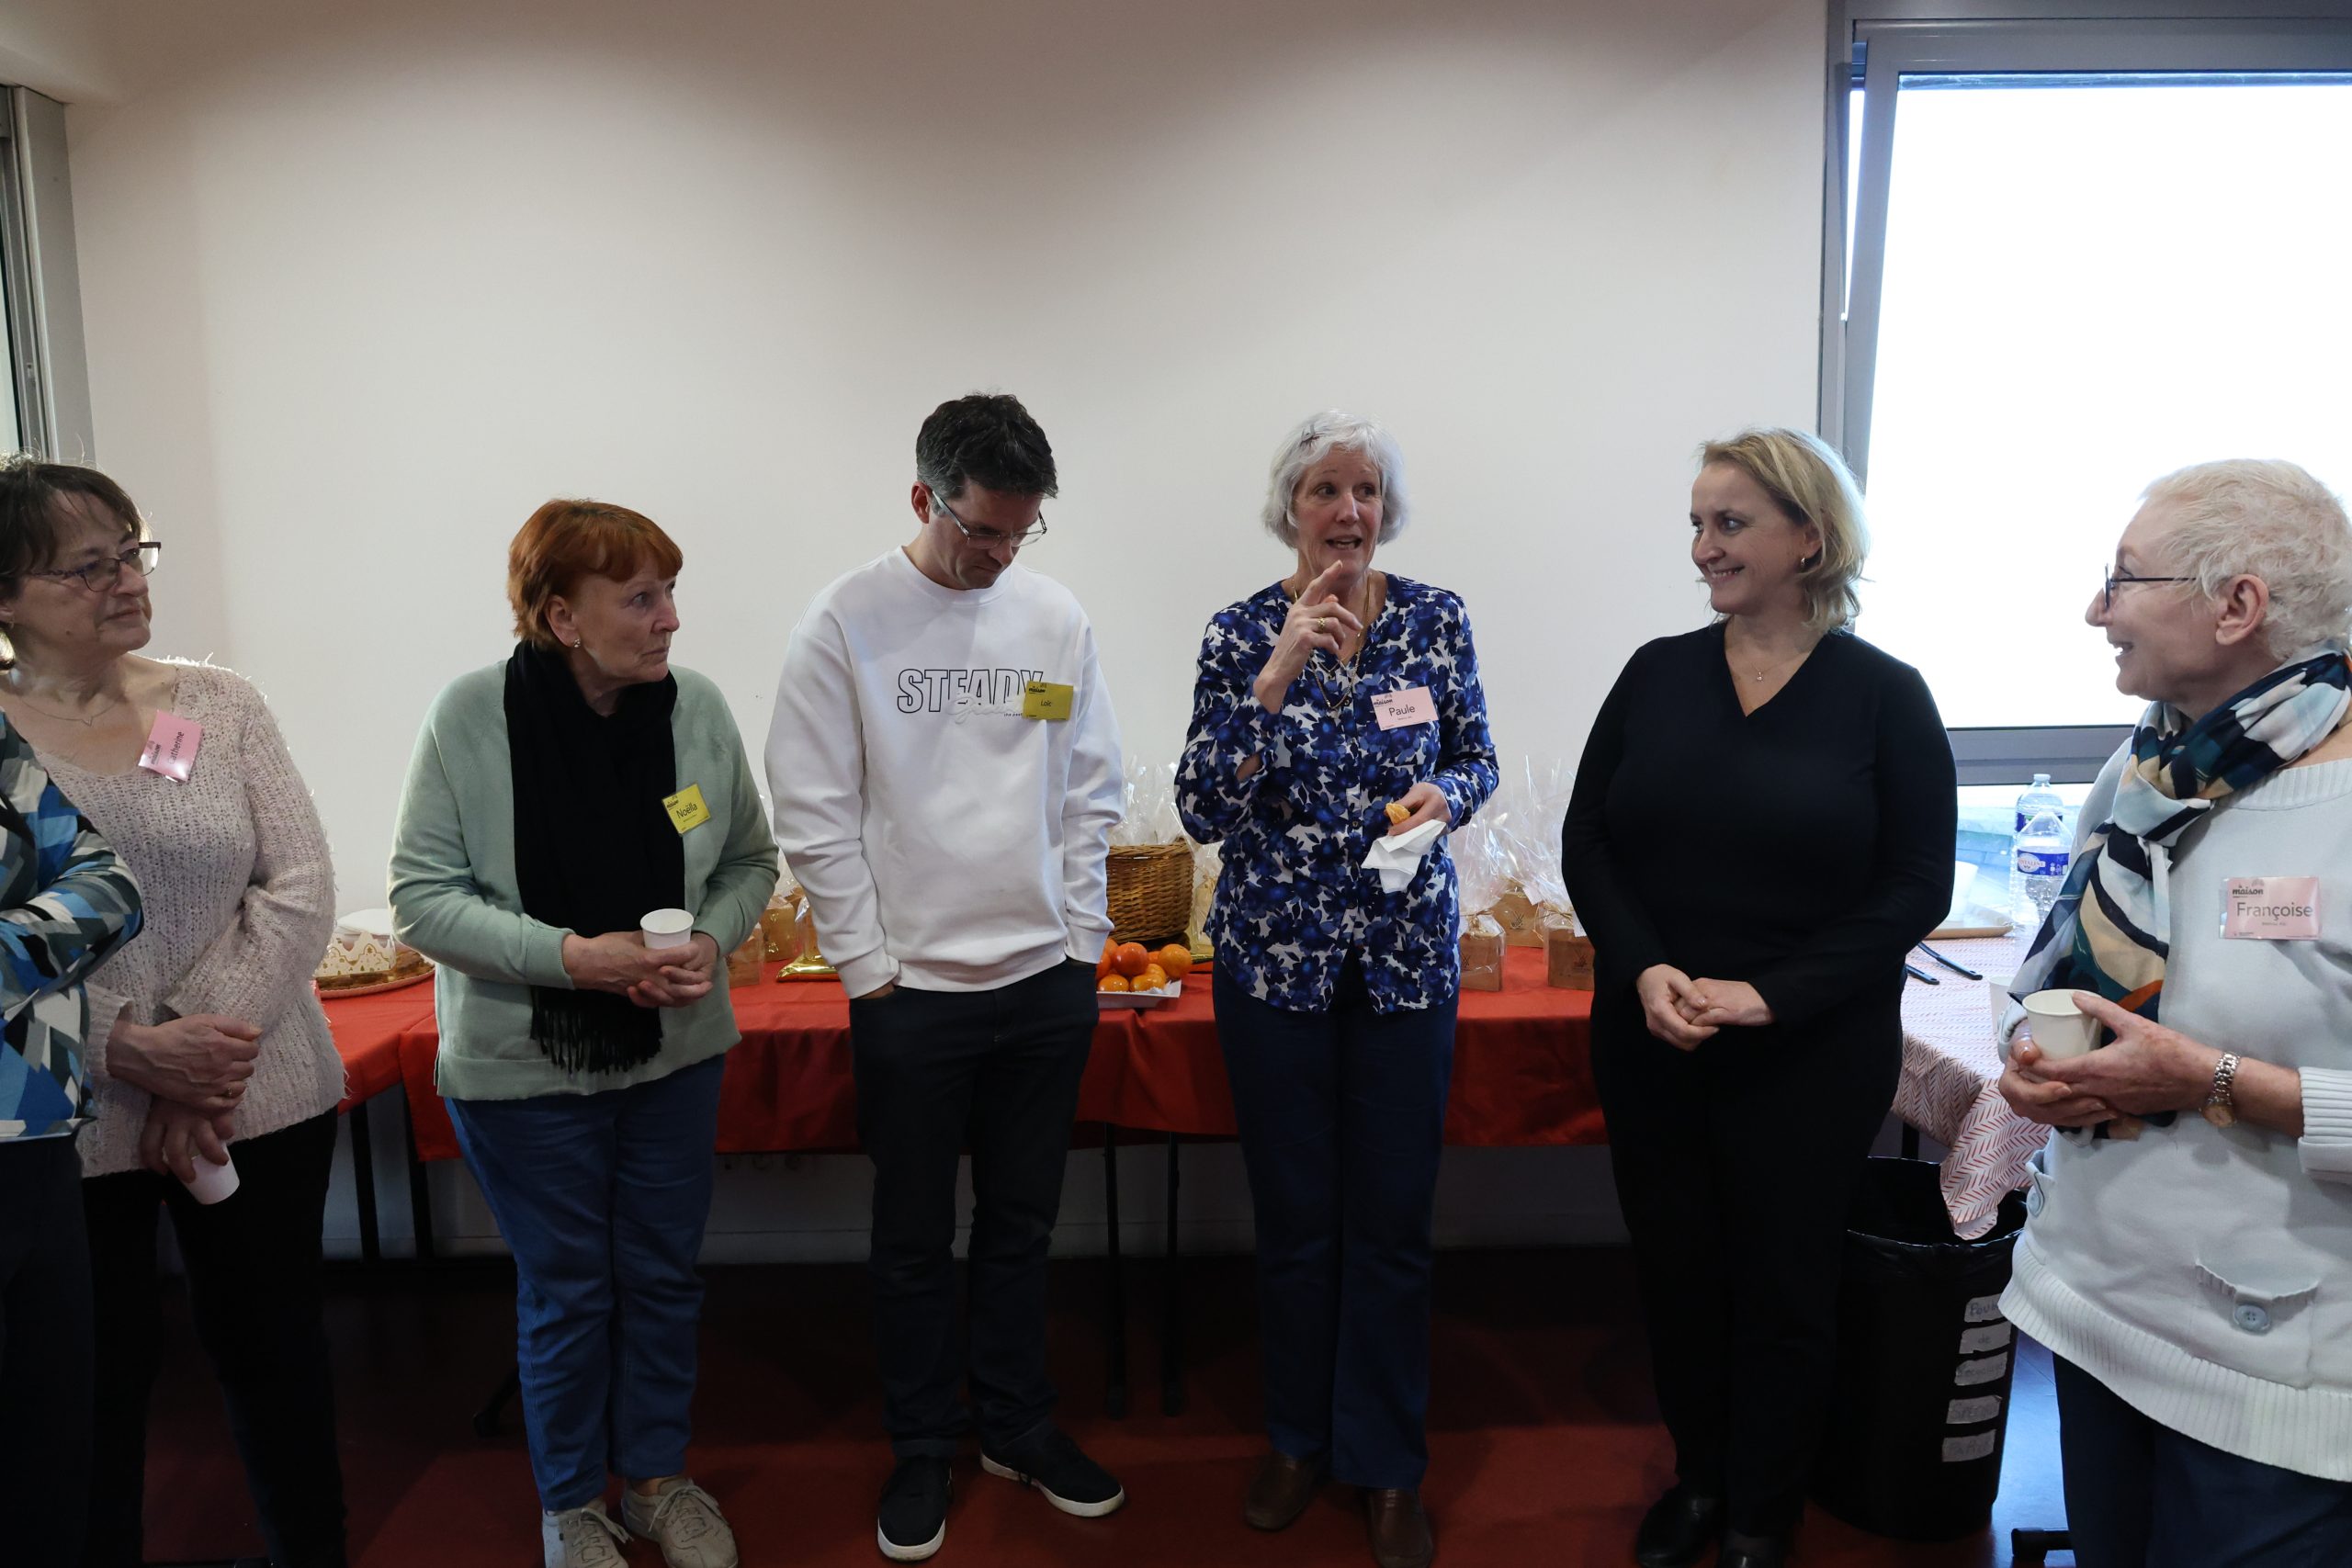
[1129, 958]
[1113, 983]
[1176, 958]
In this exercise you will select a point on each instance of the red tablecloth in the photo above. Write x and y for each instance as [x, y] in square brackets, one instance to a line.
[367, 1032]
[1520, 1068]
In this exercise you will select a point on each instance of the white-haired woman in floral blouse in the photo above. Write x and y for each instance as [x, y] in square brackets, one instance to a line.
[1321, 700]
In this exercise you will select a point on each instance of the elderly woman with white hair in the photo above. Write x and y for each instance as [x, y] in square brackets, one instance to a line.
[1323, 700]
[2187, 1253]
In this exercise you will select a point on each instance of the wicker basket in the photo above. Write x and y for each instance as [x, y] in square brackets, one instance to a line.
[1151, 892]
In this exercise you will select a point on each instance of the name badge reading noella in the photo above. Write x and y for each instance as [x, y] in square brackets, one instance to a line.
[1411, 704]
[171, 747]
[2271, 908]
[687, 808]
[1046, 699]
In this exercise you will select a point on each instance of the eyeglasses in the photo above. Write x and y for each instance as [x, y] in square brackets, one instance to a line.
[103, 574]
[2107, 602]
[989, 538]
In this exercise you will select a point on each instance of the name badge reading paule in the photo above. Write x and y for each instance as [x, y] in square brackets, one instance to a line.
[2271, 908]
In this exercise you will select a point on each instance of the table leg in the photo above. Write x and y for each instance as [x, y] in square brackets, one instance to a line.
[486, 1419]
[1171, 1328]
[363, 1183]
[1114, 1304]
[420, 1197]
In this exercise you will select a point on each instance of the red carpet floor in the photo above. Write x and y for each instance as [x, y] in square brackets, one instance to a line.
[1546, 1445]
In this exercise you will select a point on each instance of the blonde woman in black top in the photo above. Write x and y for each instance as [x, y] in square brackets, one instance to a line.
[1762, 826]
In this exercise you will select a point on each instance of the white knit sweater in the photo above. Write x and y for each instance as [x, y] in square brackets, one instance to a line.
[2204, 1273]
[240, 903]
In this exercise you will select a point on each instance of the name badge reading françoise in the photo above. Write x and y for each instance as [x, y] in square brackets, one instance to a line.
[687, 808]
[2271, 908]
[171, 747]
[1046, 699]
[1411, 704]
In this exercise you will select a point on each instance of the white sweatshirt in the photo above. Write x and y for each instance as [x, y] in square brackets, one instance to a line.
[944, 839]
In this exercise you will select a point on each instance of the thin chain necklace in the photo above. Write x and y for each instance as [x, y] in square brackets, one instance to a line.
[67, 717]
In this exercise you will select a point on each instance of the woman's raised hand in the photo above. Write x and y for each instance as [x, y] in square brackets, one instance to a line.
[1317, 620]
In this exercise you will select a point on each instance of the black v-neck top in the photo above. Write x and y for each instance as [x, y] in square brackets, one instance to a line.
[1803, 848]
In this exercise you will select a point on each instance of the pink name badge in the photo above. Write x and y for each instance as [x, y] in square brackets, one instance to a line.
[2271, 908]
[171, 747]
[1411, 705]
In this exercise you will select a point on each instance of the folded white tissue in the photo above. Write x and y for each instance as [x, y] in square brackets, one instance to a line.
[1397, 858]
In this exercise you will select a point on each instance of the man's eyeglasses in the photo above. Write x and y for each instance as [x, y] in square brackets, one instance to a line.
[104, 572]
[989, 538]
[2113, 577]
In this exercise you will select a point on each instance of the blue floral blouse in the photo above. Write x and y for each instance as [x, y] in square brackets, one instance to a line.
[1294, 902]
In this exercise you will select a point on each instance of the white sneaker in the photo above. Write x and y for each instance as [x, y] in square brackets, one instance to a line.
[582, 1537]
[683, 1520]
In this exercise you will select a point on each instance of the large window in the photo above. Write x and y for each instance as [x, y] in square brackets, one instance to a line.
[45, 395]
[2082, 254]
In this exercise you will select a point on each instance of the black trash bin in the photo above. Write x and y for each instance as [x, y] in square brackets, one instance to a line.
[1921, 1401]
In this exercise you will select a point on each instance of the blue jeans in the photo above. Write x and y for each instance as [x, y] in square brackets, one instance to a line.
[1342, 1120]
[2142, 1495]
[602, 1199]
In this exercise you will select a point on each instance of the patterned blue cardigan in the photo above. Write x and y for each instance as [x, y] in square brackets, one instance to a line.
[1294, 902]
[68, 903]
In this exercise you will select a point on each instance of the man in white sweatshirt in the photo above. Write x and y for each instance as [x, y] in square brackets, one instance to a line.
[946, 769]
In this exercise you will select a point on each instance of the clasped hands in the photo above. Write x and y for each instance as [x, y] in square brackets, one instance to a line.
[619, 962]
[1685, 1012]
[194, 1070]
[2147, 1067]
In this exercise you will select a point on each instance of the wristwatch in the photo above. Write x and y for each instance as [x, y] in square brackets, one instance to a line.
[2221, 1102]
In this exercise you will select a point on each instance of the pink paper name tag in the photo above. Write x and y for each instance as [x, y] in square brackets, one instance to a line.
[1411, 705]
[171, 747]
[2271, 908]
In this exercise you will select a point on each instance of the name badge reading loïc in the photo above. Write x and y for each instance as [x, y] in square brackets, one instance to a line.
[2271, 908]
[171, 747]
[1046, 699]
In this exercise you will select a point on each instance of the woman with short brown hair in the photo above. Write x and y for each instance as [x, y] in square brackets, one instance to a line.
[554, 802]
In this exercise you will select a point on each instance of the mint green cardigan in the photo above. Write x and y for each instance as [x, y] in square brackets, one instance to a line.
[455, 900]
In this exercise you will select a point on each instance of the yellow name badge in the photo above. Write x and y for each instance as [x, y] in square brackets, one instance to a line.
[687, 809]
[1046, 699]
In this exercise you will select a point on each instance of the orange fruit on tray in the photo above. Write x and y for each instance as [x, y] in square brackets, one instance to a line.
[1103, 965]
[1113, 983]
[1153, 979]
[1176, 958]
[1129, 958]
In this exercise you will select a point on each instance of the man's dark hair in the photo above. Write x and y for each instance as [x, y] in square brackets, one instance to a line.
[986, 438]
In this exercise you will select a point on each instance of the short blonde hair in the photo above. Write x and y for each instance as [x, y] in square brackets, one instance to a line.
[1811, 484]
[2255, 517]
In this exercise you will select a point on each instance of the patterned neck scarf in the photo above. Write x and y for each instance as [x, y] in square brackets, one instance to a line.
[2111, 931]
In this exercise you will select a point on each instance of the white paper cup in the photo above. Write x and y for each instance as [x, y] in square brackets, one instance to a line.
[214, 1182]
[2059, 1027]
[667, 928]
[1996, 994]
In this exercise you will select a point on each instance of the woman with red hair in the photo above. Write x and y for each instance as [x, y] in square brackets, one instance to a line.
[555, 801]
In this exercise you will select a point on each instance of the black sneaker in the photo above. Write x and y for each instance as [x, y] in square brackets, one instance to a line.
[914, 1510]
[1054, 1465]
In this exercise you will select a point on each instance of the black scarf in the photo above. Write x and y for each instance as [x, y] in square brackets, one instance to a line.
[593, 850]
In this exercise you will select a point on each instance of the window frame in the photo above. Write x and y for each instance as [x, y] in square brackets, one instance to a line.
[47, 359]
[1875, 44]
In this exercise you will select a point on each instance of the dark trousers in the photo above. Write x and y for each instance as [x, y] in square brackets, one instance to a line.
[603, 1200]
[2143, 1496]
[939, 1072]
[44, 1350]
[1342, 1121]
[1737, 1167]
[254, 1289]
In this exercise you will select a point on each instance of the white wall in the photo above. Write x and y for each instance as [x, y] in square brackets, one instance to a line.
[365, 283]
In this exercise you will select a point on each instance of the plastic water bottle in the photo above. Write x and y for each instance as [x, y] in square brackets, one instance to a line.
[2044, 851]
[2038, 796]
